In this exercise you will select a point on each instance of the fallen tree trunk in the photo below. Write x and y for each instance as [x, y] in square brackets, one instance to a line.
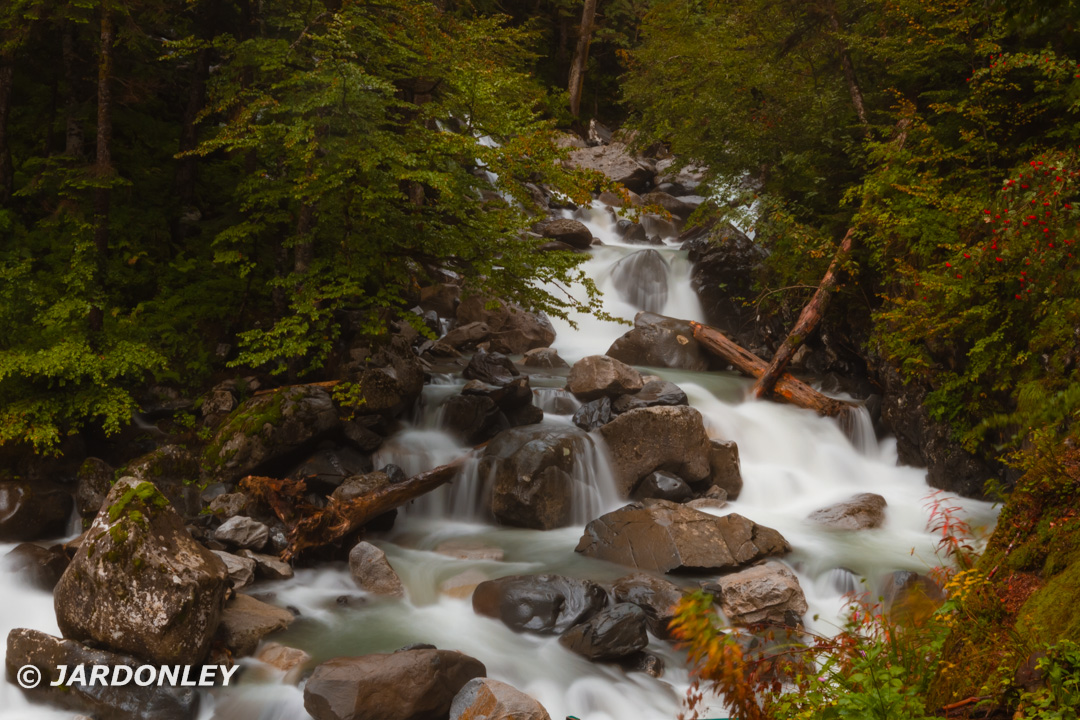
[808, 321]
[787, 388]
[315, 527]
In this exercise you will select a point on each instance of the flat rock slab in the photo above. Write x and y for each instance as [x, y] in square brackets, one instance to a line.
[246, 621]
[864, 511]
[664, 536]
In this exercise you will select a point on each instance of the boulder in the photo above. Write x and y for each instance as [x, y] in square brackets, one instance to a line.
[289, 660]
[268, 428]
[487, 699]
[725, 469]
[513, 330]
[228, 505]
[33, 510]
[492, 368]
[564, 230]
[860, 512]
[473, 418]
[102, 701]
[94, 479]
[657, 438]
[673, 205]
[405, 685]
[360, 434]
[725, 267]
[466, 336]
[507, 396]
[268, 567]
[641, 279]
[246, 621]
[597, 376]
[139, 583]
[360, 485]
[241, 570]
[542, 604]
[616, 162]
[545, 357]
[243, 532]
[532, 475]
[663, 486]
[175, 471]
[644, 662]
[371, 571]
[389, 381]
[442, 298]
[328, 466]
[594, 414]
[665, 536]
[36, 566]
[768, 592]
[622, 199]
[655, 393]
[655, 596]
[617, 632]
[660, 341]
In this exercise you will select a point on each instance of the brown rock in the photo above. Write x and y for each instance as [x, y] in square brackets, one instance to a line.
[598, 376]
[860, 512]
[246, 621]
[487, 699]
[656, 596]
[372, 571]
[768, 592]
[660, 341]
[725, 468]
[657, 438]
[543, 604]
[32, 510]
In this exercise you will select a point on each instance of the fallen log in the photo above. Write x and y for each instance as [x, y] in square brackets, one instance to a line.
[787, 389]
[808, 321]
[315, 527]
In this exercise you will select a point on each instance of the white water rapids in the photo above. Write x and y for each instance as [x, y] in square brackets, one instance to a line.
[793, 462]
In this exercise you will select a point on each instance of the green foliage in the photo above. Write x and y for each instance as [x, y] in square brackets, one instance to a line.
[1060, 698]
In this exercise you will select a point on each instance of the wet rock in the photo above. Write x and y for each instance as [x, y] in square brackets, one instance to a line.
[725, 468]
[594, 414]
[513, 330]
[542, 604]
[473, 418]
[655, 393]
[557, 401]
[390, 380]
[139, 583]
[621, 199]
[371, 571]
[406, 685]
[564, 230]
[613, 633]
[218, 403]
[487, 699]
[645, 662]
[712, 499]
[36, 566]
[175, 471]
[663, 486]
[463, 584]
[768, 592]
[229, 505]
[94, 479]
[725, 266]
[241, 570]
[664, 536]
[362, 437]
[532, 475]
[246, 621]
[556, 246]
[268, 567]
[546, 358]
[598, 376]
[243, 532]
[289, 660]
[510, 396]
[469, 549]
[524, 415]
[492, 368]
[102, 701]
[615, 161]
[673, 205]
[641, 280]
[655, 596]
[268, 428]
[328, 466]
[660, 341]
[32, 510]
[860, 512]
[360, 485]
[467, 335]
[657, 438]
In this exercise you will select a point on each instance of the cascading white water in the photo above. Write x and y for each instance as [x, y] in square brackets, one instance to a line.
[793, 462]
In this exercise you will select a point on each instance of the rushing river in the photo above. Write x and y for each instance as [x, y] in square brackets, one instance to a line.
[793, 462]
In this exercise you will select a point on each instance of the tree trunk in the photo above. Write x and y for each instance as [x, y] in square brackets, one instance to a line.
[103, 162]
[808, 321]
[581, 55]
[73, 131]
[7, 170]
[788, 389]
[847, 66]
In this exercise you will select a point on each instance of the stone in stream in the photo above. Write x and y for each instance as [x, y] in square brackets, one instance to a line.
[665, 536]
[617, 632]
[32, 510]
[492, 368]
[859, 512]
[571, 232]
[655, 596]
[543, 604]
[101, 700]
[657, 438]
[597, 376]
[655, 393]
[615, 161]
[768, 592]
[139, 583]
[641, 279]
[725, 469]
[660, 341]
[543, 358]
[241, 570]
[487, 699]
[36, 566]
[372, 572]
[513, 330]
[473, 418]
[289, 660]
[405, 685]
[663, 486]
[673, 205]
[243, 532]
[175, 472]
[594, 414]
[246, 621]
[268, 567]
[466, 336]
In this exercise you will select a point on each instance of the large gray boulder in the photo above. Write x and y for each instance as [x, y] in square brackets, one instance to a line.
[543, 604]
[139, 584]
[175, 471]
[597, 376]
[768, 592]
[532, 475]
[860, 512]
[270, 427]
[664, 536]
[657, 438]
[487, 699]
[641, 279]
[660, 341]
[405, 685]
[617, 632]
[616, 162]
[99, 700]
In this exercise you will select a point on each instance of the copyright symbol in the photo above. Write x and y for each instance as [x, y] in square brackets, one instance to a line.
[28, 677]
